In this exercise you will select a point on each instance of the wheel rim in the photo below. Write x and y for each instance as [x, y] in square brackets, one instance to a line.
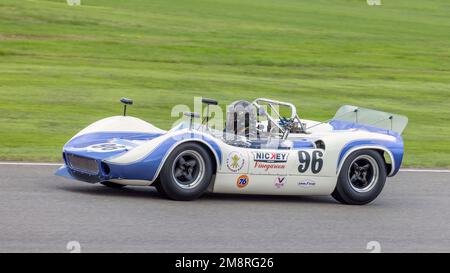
[188, 169]
[363, 173]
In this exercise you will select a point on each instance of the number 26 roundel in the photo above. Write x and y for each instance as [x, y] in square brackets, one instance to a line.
[307, 160]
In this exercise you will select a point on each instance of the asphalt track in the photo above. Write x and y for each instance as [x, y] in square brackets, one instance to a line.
[42, 213]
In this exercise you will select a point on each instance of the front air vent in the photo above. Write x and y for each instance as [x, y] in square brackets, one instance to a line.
[320, 144]
[82, 164]
[105, 168]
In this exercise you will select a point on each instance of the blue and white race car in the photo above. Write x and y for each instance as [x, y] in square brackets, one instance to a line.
[260, 151]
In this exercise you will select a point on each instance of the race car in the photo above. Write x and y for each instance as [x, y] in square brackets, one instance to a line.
[264, 148]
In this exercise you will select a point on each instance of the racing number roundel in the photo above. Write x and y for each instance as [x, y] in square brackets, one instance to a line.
[106, 147]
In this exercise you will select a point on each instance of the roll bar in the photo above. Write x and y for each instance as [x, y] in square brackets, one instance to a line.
[271, 103]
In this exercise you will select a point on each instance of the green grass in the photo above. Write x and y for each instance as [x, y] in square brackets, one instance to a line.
[64, 67]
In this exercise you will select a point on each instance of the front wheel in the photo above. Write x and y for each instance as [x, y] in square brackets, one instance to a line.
[186, 174]
[361, 179]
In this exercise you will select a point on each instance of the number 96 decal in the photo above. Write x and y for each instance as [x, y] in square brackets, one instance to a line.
[307, 160]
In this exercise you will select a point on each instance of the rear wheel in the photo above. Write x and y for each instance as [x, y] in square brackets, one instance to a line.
[361, 179]
[186, 174]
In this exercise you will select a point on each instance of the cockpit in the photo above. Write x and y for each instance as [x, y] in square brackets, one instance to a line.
[261, 124]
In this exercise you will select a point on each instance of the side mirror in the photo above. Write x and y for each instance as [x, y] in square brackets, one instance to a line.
[208, 102]
[126, 102]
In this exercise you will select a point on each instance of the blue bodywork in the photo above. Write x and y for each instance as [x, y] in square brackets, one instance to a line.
[395, 147]
[78, 146]
[144, 169]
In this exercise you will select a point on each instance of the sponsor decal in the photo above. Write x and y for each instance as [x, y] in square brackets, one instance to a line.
[270, 160]
[267, 166]
[280, 181]
[270, 157]
[235, 161]
[242, 181]
[307, 183]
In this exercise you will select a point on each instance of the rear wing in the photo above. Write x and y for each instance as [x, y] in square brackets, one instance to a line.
[383, 120]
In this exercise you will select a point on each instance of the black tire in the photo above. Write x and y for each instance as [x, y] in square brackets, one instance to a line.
[180, 178]
[353, 187]
[159, 189]
[112, 185]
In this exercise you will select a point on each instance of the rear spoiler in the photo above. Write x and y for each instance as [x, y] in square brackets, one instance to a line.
[374, 118]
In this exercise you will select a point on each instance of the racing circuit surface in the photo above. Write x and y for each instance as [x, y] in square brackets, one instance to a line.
[42, 212]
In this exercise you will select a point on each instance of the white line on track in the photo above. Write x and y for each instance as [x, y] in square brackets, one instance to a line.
[60, 164]
[424, 171]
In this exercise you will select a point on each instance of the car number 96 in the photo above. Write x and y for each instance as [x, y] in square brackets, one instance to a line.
[307, 160]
